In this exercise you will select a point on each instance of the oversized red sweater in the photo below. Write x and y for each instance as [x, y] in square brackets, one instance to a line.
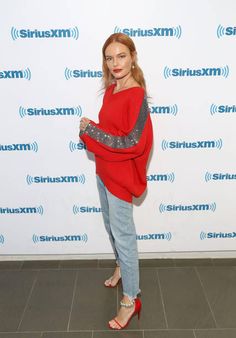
[121, 141]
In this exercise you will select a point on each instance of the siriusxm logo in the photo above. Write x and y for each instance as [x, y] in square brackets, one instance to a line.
[16, 74]
[151, 32]
[85, 209]
[45, 112]
[193, 207]
[161, 177]
[219, 177]
[22, 210]
[191, 145]
[76, 146]
[2, 239]
[59, 179]
[165, 110]
[217, 235]
[20, 147]
[148, 237]
[181, 72]
[222, 31]
[65, 238]
[214, 109]
[79, 73]
[59, 33]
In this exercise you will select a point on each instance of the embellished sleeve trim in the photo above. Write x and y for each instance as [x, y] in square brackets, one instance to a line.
[120, 142]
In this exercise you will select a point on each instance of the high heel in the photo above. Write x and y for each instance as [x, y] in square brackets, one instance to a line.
[137, 311]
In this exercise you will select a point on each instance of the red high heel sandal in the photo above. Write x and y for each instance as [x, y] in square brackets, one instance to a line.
[137, 310]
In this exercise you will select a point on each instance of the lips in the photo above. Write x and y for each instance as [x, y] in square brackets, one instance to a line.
[117, 70]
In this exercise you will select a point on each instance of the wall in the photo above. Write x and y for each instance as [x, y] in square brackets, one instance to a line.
[50, 76]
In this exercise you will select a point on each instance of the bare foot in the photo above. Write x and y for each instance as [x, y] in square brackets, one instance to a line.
[122, 316]
[113, 281]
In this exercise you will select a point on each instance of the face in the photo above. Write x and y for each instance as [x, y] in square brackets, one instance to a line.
[118, 59]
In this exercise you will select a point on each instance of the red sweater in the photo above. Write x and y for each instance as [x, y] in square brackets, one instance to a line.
[121, 141]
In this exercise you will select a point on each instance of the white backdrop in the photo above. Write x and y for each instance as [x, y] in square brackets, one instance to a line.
[50, 76]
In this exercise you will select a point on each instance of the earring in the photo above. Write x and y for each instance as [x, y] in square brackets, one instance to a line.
[133, 66]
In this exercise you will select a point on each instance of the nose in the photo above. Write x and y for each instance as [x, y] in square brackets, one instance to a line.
[115, 62]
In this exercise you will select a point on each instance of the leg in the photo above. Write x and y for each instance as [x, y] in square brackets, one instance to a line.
[105, 213]
[112, 281]
[124, 233]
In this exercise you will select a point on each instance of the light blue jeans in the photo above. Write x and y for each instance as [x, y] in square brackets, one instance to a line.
[118, 220]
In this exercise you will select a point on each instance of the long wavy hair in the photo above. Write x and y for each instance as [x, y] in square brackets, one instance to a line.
[136, 71]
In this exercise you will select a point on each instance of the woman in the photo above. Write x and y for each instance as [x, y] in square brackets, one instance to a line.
[121, 143]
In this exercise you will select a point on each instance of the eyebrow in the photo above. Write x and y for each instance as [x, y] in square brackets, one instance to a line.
[117, 54]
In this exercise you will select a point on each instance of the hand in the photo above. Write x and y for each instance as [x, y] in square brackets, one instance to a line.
[83, 123]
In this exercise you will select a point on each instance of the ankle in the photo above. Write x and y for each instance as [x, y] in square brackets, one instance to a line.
[127, 302]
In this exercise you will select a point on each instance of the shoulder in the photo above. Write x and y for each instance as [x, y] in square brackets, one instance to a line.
[135, 93]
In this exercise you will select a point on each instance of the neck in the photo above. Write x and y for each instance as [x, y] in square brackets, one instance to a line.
[122, 83]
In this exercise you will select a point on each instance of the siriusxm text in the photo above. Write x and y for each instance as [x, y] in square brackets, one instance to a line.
[21, 210]
[156, 31]
[16, 147]
[194, 207]
[196, 72]
[59, 179]
[66, 238]
[215, 235]
[197, 144]
[52, 33]
[50, 112]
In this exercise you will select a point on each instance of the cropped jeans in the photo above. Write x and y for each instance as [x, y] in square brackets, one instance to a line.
[119, 224]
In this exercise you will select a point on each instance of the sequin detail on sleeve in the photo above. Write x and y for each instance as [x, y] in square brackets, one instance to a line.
[121, 142]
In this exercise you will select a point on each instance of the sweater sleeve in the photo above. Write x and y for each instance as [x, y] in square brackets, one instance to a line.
[131, 144]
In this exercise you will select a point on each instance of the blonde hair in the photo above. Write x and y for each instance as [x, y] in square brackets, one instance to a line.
[136, 71]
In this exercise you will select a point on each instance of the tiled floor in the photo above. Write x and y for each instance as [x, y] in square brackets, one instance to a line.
[66, 299]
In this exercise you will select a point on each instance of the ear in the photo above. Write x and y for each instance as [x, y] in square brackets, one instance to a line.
[134, 57]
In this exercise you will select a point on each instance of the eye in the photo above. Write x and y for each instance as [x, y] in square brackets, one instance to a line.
[108, 58]
[122, 56]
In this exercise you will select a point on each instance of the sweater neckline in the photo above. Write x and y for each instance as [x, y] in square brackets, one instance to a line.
[124, 90]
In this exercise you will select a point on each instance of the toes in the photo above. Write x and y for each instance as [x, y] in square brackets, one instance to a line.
[113, 324]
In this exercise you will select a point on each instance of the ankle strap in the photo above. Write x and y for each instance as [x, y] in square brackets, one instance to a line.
[127, 305]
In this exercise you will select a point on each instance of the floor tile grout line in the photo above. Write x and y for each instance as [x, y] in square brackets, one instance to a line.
[162, 299]
[72, 301]
[205, 294]
[28, 300]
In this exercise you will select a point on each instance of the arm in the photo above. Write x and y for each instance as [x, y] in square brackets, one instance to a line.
[119, 148]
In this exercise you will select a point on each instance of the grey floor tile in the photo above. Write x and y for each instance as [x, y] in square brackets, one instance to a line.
[218, 333]
[118, 334]
[20, 335]
[81, 334]
[10, 265]
[43, 264]
[185, 304]
[143, 263]
[93, 303]
[220, 286]
[15, 287]
[224, 261]
[75, 264]
[193, 262]
[169, 334]
[50, 303]
[152, 315]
